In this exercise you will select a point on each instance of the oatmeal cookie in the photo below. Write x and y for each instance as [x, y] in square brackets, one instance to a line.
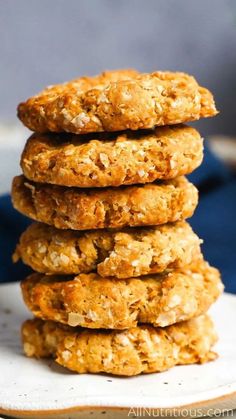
[130, 252]
[89, 300]
[142, 349]
[112, 160]
[117, 100]
[84, 209]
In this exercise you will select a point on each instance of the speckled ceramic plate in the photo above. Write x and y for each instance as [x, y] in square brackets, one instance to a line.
[32, 388]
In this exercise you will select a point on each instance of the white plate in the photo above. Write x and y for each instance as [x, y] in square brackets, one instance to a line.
[36, 388]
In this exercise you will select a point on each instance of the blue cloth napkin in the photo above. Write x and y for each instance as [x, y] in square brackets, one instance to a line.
[213, 221]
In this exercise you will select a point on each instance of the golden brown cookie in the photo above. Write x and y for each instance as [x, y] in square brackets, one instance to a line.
[130, 252]
[89, 300]
[117, 100]
[142, 349]
[112, 160]
[83, 209]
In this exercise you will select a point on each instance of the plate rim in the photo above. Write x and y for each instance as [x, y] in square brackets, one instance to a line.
[74, 409]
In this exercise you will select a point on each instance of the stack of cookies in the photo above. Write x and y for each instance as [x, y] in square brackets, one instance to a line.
[121, 285]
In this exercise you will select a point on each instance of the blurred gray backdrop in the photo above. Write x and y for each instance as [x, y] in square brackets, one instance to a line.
[49, 41]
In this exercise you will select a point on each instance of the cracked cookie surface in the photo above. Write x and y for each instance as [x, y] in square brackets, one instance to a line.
[117, 100]
[130, 252]
[142, 349]
[89, 300]
[112, 159]
[84, 209]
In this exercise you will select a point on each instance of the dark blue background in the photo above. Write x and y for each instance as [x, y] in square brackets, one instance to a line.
[213, 221]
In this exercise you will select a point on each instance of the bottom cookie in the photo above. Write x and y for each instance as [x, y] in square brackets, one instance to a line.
[142, 349]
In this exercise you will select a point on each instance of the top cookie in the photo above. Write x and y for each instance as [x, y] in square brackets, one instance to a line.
[117, 100]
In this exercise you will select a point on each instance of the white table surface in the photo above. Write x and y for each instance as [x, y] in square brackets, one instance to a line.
[12, 139]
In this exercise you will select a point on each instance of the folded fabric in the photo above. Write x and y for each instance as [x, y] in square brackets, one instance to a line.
[214, 221]
[211, 172]
[12, 224]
